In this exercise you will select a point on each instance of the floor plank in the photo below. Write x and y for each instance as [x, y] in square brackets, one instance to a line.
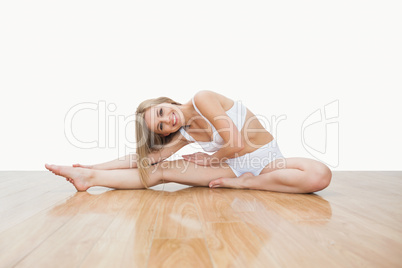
[356, 222]
[232, 244]
[212, 205]
[190, 252]
[24, 210]
[22, 239]
[127, 241]
[179, 213]
[77, 236]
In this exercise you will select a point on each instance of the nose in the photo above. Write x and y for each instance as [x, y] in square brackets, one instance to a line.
[166, 119]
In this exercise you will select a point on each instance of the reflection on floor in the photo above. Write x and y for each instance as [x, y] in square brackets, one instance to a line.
[356, 222]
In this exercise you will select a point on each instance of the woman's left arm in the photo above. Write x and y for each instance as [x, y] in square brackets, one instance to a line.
[204, 159]
[211, 108]
[224, 153]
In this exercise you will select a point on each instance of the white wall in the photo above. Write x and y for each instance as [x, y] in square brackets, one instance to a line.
[281, 58]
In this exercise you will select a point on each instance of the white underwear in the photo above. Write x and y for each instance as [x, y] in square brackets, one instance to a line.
[255, 162]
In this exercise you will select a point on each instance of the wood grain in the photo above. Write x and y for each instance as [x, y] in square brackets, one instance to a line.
[127, 241]
[356, 222]
[178, 216]
[184, 253]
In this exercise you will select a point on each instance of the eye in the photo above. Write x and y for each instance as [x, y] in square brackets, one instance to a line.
[160, 113]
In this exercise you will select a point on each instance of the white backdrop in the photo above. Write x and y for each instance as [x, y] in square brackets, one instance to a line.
[325, 75]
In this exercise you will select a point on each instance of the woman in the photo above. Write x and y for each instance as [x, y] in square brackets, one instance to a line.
[245, 155]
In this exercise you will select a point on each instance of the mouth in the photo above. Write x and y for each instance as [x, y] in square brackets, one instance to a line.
[174, 119]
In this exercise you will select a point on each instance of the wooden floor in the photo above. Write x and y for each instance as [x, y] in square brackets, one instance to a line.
[356, 222]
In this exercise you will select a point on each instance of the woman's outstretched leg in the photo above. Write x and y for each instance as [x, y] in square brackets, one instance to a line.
[293, 175]
[84, 178]
[179, 171]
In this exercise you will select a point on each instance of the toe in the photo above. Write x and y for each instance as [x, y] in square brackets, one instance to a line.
[51, 167]
[55, 169]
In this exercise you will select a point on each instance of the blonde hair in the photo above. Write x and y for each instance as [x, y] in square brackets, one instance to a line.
[148, 141]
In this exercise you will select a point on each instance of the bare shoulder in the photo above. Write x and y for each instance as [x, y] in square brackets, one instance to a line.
[209, 96]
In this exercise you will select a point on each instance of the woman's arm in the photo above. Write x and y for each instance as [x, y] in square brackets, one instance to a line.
[168, 150]
[225, 153]
[130, 160]
[209, 105]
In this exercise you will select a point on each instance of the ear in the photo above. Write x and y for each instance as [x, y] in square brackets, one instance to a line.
[166, 135]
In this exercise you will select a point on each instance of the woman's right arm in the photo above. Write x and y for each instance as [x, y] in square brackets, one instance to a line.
[130, 160]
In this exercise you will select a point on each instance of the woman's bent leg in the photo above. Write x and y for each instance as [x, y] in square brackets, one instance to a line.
[290, 175]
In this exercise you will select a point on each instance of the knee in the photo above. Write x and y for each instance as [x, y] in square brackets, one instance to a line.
[320, 177]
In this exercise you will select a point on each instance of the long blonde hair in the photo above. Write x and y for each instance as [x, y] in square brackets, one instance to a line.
[148, 141]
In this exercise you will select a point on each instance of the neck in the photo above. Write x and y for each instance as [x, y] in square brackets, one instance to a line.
[189, 113]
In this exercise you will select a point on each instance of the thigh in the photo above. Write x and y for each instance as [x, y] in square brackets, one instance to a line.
[185, 172]
[304, 164]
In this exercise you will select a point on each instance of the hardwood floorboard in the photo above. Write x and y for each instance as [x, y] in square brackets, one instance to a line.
[24, 210]
[349, 240]
[189, 252]
[31, 186]
[128, 239]
[78, 235]
[232, 244]
[272, 217]
[23, 181]
[179, 213]
[22, 239]
[355, 222]
[212, 205]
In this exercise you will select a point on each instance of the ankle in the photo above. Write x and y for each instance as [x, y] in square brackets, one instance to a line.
[90, 176]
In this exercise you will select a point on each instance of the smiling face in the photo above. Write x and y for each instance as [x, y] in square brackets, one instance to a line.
[163, 118]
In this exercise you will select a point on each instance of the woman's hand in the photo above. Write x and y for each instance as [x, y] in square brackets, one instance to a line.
[199, 158]
[82, 166]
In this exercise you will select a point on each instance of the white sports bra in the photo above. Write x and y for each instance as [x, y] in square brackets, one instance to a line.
[237, 113]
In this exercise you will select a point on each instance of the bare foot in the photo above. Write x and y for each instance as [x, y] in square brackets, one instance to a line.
[238, 182]
[79, 177]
